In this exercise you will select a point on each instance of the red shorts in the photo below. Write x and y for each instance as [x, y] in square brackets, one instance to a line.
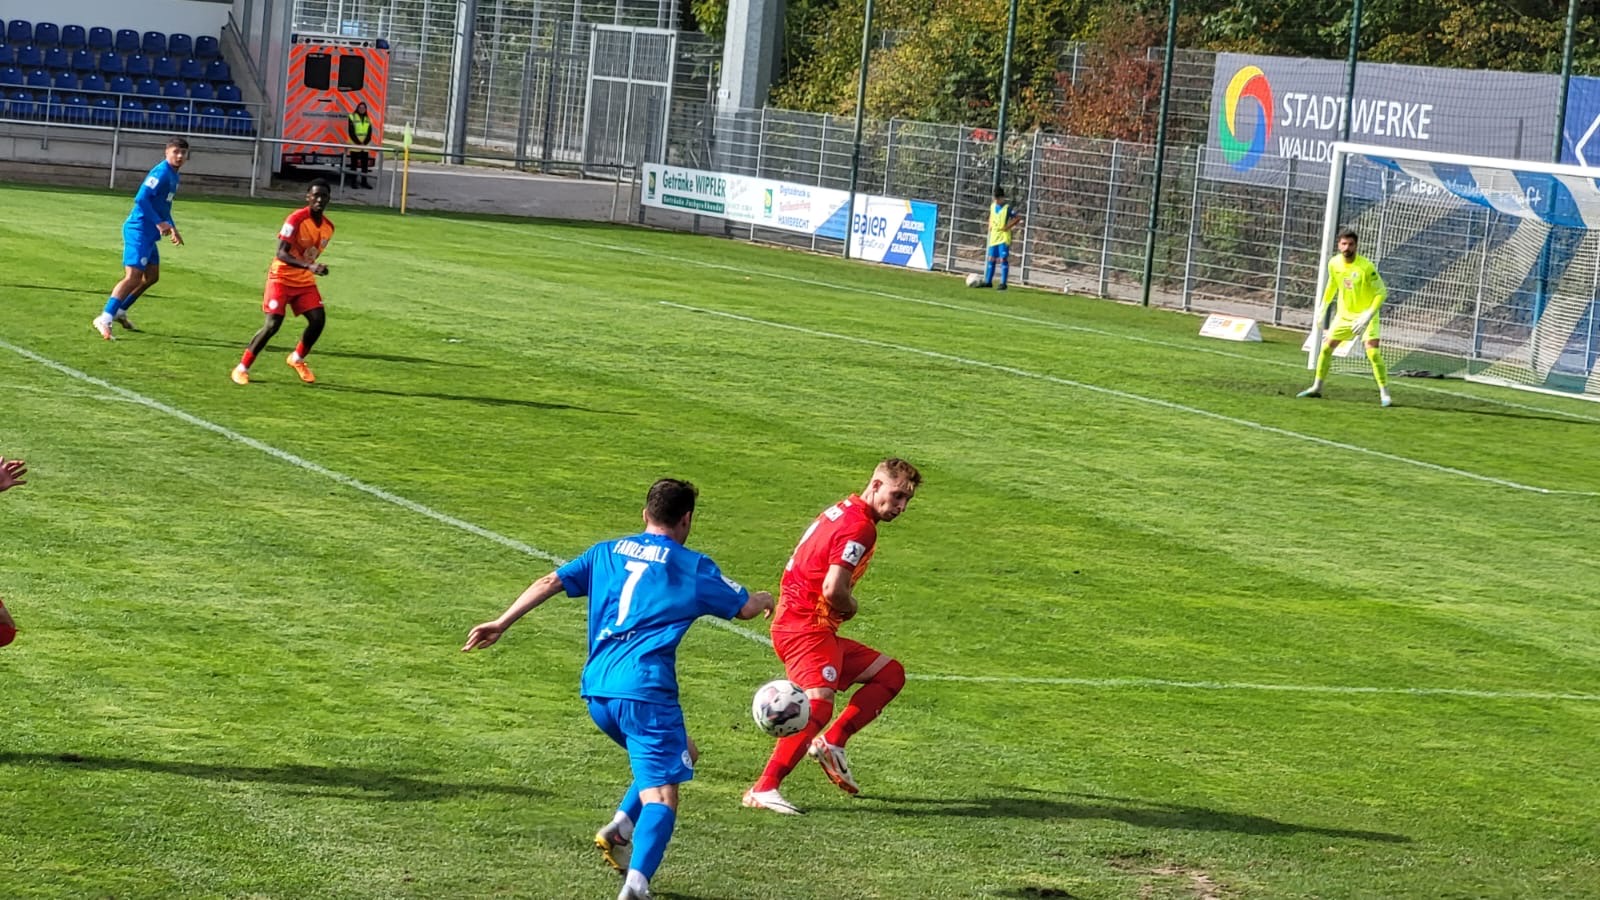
[299, 299]
[822, 659]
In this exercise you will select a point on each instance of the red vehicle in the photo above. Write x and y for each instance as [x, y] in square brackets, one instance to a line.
[325, 79]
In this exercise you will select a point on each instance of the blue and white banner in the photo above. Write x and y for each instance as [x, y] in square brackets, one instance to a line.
[883, 229]
[1567, 198]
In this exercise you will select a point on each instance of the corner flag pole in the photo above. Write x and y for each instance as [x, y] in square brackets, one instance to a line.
[405, 167]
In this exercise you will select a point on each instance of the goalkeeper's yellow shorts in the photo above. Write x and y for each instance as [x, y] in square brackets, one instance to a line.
[1343, 329]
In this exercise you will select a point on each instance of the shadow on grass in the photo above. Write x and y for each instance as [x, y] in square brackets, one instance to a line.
[57, 289]
[347, 783]
[1131, 811]
[238, 346]
[486, 401]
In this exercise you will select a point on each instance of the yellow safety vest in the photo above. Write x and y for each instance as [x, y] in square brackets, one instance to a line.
[362, 126]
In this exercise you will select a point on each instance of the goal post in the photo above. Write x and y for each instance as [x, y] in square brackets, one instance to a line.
[1492, 265]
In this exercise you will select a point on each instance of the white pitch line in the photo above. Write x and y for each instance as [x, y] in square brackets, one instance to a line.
[1060, 326]
[1135, 398]
[554, 559]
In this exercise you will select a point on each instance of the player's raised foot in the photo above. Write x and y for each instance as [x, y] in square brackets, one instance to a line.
[126, 323]
[833, 764]
[102, 324]
[614, 847]
[1310, 392]
[300, 368]
[240, 375]
[771, 800]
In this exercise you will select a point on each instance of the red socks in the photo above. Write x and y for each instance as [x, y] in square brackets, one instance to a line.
[867, 702]
[792, 749]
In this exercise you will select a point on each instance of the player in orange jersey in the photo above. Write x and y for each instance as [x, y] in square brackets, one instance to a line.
[292, 282]
[819, 596]
[11, 472]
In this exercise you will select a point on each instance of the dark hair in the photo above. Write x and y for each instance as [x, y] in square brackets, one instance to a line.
[319, 183]
[895, 467]
[179, 142]
[1348, 233]
[669, 500]
[999, 193]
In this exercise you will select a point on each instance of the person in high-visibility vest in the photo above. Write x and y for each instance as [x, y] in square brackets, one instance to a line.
[360, 129]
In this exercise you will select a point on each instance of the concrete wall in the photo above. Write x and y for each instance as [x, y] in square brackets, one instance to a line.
[193, 17]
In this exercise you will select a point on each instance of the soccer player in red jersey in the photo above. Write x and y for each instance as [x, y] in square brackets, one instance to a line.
[819, 596]
[11, 472]
[292, 282]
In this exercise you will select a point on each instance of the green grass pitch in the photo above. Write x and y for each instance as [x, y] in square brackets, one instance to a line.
[1172, 633]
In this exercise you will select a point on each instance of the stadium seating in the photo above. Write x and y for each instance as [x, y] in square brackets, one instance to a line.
[158, 114]
[127, 41]
[21, 104]
[83, 62]
[207, 47]
[99, 39]
[147, 87]
[57, 58]
[110, 63]
[47, 34]
[29, 57]
[230, 93]
[121, 84]
[39, 78]
[8, 56]
[201, 90]
[73, 37]
[154, 43]
[103, 110]
[132, 113]
[180, 45]
[10, 76]
[93, 82]
[217, 70]
[210, 118]
[180, 114]
[19, 32]
[165, 68]
[136, 64]
[65, 81]
[175, 88]
[240, 121]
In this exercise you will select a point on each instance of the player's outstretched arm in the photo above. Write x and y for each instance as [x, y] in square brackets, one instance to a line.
[759, 604]
[486, 634]
[11, 472]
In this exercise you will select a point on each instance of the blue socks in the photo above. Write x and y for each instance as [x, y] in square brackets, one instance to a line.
[988, 271]
[112, 306]
[1005, 272]
[631, 806]
[650, 838]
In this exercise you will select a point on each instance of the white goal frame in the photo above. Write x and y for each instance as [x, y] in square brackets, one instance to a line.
[1342, 151]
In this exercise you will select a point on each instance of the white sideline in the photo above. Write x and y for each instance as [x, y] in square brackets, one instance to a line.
[535, 552]
[1136, 398]
[1061, 326]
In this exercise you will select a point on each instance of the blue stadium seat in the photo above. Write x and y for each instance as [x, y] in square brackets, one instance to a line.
[99, 38]
[132, 113]
[8, 56]
[121, 84]
[180, 44]
[92, 82]
[111, 63]
[174, 88]
[192, 69]
[210, 118]
[180, 114]
[39, 78]
[159, 115]
[218, 70]
[10, 76]
[65, 81]
[382, 44]
[240, 122]
[60, 109]
[137, 64]
[201, 90]
[75, 109]
[206, 47]
[73, 37]
[47, 34]
[83, 61]
[147, 87]
[57, 58]
[154, 43]
[230, 93]
[127, 41]
[29, 57]
[22, 104]
[165, 68]
[103, 110]
[19, 32]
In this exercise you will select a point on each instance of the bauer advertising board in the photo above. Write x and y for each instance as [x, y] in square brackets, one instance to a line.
[1271, 114]
[325, 78]
[883, 229]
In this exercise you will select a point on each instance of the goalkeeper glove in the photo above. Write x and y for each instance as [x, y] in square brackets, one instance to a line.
[1360, 324]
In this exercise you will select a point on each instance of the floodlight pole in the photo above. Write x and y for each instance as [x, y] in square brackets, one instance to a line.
[1566, 78]
[1161, 151]
[1005, 98]
[855, 145]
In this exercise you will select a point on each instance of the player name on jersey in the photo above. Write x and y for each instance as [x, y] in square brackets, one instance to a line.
[647, 552]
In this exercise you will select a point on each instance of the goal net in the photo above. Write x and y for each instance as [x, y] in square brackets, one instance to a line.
[1492, 266]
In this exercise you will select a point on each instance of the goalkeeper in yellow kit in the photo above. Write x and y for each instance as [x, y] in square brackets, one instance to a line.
[1355, 281]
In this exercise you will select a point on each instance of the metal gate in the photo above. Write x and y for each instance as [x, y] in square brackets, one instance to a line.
[630, 91]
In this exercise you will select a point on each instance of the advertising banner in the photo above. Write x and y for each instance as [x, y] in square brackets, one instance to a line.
[1580, 138]
[883, 229]
[1271, 114]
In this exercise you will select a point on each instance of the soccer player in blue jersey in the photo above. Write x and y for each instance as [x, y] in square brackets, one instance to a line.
[644, 592]
[150, 220]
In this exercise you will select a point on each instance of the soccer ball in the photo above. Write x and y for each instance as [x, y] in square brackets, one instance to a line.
[781, 708]
[974, 280]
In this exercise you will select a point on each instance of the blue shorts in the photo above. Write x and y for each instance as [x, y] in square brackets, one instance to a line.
[139, 247]
[999, 251]
[652, 733]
